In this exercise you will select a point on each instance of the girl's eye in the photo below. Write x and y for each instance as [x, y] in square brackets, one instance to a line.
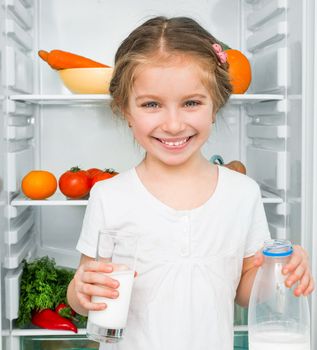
[150, 104]
[192, 103]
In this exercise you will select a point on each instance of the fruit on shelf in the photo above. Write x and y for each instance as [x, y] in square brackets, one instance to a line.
[239, 71]
[39, 184]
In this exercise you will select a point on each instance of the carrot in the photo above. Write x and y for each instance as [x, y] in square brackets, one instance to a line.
[43, 54]
[58, 59]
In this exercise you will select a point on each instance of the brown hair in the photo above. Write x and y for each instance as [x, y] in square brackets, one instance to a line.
[161, 37]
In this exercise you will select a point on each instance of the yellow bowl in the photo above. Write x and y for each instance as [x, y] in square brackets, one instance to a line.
[87, 80]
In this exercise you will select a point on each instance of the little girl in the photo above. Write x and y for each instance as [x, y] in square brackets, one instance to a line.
[201, 224]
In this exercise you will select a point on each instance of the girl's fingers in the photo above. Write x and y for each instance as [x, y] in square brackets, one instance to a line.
[310, 288]
[98, 266]
[97, 290]
[297, 257]
[88, 305]
[296, 276]
[258, 258]
[303, 285]
[99, 278]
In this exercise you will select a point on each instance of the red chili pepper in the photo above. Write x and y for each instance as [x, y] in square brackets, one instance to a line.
[50, 319]
[65, 310]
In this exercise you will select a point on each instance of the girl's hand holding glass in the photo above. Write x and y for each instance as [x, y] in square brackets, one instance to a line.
[297, 271]
[91, 280]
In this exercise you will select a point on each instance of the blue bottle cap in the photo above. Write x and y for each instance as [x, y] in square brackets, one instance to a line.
[277, 248]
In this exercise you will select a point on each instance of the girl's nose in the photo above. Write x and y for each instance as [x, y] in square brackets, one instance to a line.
[173, 121]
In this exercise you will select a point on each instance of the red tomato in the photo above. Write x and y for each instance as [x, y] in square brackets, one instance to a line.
[75, 183]
[93, 171]
[104, 175]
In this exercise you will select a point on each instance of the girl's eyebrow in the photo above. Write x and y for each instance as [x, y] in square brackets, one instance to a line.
[140, 97]
[202, 96]
[154, 97]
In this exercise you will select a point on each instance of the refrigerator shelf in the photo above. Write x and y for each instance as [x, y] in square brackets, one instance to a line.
[100, 99]
[60, 200]
[43, 332]
[61, 99]
[268, 197]
[55, 200]
[81, 331]
[253, 98]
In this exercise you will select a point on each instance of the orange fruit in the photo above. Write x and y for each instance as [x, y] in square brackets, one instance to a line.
[39, 184]
[239, 71]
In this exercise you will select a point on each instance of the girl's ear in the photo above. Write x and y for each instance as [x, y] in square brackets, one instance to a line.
[127, 117]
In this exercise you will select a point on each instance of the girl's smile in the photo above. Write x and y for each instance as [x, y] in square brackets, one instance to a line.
[174, 143]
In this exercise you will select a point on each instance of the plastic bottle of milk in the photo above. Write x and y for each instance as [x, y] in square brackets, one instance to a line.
[277, 319]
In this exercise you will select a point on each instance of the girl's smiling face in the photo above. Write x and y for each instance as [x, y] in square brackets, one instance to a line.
[170, 110]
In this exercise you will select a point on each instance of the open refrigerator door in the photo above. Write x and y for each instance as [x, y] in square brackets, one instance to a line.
[4, 324]
[271, 128]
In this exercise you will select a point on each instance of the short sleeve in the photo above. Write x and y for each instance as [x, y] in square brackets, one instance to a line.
[258, 230]
[94, 221]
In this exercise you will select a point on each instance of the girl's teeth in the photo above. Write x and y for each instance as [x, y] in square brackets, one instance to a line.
[176, 143]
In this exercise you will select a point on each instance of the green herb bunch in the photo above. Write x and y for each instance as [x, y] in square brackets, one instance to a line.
[43, 286]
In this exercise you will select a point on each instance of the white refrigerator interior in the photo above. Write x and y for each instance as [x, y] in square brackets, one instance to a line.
[271, 128]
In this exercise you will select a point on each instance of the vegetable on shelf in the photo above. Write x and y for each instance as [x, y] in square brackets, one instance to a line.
[75, 183]
[59, 59]
[65, 310]
[93, 171]
[103, 175]
[44, 286]
[50, 319]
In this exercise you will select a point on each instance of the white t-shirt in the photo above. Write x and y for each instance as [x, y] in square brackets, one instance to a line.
[189, 261]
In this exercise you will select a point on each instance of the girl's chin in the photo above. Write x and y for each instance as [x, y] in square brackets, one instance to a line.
[175, 160]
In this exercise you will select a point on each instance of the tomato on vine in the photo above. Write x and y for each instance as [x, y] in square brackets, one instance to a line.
[75, 183]
[103, 175]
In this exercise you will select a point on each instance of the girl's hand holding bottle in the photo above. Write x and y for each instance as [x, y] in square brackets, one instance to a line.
[91, 280]
[297, 271]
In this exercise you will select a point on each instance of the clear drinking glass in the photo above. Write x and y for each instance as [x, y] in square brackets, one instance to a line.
[119, 248]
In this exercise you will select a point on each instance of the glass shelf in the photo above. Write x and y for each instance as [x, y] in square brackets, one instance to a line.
[252, 98]
[100, 99]
[269, 197]
[61, 200]
[45, 332]
[61, 340]
[55, 200]
[61, 99]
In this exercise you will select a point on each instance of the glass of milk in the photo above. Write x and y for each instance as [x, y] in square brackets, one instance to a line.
[120, 249]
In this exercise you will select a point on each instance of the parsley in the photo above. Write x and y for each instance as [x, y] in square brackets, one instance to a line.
[43, 286]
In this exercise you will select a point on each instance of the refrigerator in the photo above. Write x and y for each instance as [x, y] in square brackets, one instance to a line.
[271, 128]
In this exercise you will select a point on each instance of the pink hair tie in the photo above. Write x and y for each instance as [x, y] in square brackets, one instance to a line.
[222, 55]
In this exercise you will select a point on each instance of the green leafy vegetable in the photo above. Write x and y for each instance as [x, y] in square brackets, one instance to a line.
[43, 286]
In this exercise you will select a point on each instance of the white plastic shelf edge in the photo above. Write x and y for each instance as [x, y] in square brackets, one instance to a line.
[95, 99]
[60, 200]
[55, 200]
[81, 331]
